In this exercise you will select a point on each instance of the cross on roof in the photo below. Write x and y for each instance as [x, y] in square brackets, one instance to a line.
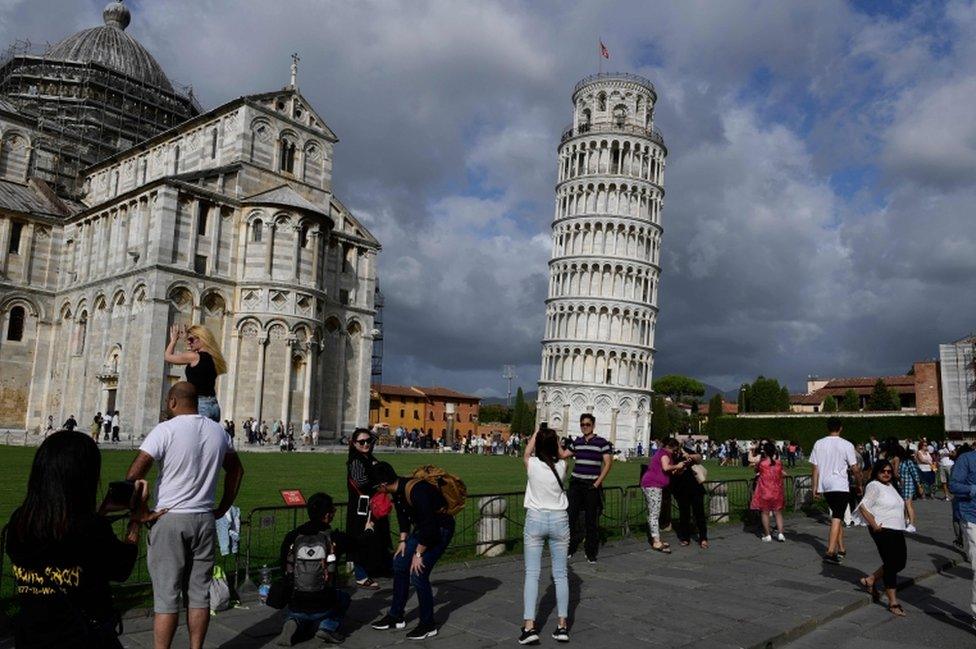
[294, 69]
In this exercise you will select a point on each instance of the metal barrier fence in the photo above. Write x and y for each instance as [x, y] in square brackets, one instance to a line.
[624, 514]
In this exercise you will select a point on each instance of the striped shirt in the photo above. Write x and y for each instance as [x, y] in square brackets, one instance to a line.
[588, 456]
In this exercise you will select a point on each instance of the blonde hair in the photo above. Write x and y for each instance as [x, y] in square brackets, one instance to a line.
[209, 345]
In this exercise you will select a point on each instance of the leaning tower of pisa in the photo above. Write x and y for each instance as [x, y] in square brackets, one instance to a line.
[598, 350]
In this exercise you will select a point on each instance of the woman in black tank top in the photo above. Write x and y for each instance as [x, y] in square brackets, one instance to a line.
[204, 363]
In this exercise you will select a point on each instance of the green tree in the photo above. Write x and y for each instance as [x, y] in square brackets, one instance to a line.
[522, 418]
[660, 423]
[678, 387]
[766, 395]
[851, 402]
[895, 399]
[784, 399]
[880, 398]
[714, 407]
[495, 412]
[679, 421]
[830, 404]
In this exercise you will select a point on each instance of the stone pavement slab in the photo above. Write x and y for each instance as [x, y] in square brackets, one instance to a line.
[738, 593]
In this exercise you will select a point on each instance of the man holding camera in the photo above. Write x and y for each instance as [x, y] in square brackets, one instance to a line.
[190, 450]
[592, 458]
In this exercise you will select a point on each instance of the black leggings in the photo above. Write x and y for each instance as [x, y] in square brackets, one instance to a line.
[894, 554]
[689, 504]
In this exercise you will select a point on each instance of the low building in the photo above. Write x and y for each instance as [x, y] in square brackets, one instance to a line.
[434, 410]
[919, 390]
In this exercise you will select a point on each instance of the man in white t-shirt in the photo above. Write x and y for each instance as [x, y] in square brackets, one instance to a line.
[832, 457]
[190, 450]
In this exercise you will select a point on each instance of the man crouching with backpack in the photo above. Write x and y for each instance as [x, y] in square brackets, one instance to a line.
[426, 529]
[308, 555]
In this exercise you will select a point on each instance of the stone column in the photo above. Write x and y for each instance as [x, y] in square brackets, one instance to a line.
[613, 425]
[340, 381]
[286, 397]
[565, 419]
[214, 238]
[297, 255]
[5, 226]
[191, 250]
[259, 394]
[307, 387]
[27, 245]
[268, 246]
[235, 353]
[316, 242]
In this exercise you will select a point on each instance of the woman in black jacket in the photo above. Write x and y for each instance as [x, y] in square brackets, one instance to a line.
[373, 555]
[64, 553]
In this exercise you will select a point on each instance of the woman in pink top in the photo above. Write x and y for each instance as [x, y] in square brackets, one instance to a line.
[768, 496]
[653, 482]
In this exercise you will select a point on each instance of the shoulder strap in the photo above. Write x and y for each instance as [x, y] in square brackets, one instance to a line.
[552, 467]
[409, 488]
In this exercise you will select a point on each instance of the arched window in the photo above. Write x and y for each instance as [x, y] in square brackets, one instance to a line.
[619, 114]
[286, 156]
[15, 324]
[303, 237]
[601, 101]
[256, 231]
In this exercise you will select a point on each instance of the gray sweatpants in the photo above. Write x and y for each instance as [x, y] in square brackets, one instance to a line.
[181, 550]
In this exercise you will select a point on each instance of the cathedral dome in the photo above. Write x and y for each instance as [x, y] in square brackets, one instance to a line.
[110, 46]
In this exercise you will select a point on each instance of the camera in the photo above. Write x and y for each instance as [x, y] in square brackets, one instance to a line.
[120, 492]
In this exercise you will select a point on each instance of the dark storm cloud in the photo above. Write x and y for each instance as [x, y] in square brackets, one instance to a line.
[449, 115]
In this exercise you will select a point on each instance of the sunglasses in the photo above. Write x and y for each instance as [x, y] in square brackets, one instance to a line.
[884, 471]
[364, 442]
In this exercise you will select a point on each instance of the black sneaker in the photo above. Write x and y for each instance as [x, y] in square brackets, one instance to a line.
[330, 637]
[561, 634]
[591, 560]
[386, 622]
[529, 636]
[288, 630]
[422, 632]
[831, 558]
[842, 554]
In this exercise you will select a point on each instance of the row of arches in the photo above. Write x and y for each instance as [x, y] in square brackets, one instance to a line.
[603, 281]
[606, 238]
[597, 366]
[621, 106]
[605, 324]
[609, 198]
[619, 156]
[281, 246]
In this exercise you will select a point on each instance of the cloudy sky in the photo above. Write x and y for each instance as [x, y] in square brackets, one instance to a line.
[821, 181]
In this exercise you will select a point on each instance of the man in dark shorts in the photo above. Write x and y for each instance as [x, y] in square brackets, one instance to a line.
[592, 458]
[832, 457]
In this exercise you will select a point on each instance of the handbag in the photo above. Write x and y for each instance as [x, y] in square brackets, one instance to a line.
[279, 595]
[380, 505]
[700, 473]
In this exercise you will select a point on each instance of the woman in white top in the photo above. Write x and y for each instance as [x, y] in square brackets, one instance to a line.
[545, 519]
[884, 511]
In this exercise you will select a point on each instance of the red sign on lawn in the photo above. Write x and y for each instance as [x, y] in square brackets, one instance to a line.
[293, 497]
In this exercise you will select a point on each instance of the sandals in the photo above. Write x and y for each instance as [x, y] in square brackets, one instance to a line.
[703, 545]
[896, 610]
[869, 586]
[685, 544]
[663, 548]
[368, 584]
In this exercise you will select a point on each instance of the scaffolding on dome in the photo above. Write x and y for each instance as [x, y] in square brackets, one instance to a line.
[84, 111]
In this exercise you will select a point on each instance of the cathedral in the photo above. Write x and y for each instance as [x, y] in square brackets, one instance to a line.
[124, 208]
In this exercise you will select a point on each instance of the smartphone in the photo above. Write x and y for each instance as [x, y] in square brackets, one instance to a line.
[120, 492]
[362, 506]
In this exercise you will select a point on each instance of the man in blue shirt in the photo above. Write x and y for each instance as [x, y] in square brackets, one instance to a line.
[962, 484]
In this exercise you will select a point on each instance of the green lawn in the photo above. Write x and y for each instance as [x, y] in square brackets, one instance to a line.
[267, 473]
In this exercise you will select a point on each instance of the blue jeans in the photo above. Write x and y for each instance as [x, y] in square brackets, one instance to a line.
[359, 572]
[542, 525]
[209, 408]
[402, 579]
[326, 620]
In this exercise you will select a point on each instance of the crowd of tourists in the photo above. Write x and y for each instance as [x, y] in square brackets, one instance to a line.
[64, 552]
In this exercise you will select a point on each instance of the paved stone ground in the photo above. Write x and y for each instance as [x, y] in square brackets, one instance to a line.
[739, 593]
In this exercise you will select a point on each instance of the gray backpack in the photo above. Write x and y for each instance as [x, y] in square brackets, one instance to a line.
[311, 570]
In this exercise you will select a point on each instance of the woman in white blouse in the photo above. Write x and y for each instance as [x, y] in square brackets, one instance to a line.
[884, 511]
[545, 519]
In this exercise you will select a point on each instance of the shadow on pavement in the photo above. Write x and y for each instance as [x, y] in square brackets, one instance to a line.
[548, 602]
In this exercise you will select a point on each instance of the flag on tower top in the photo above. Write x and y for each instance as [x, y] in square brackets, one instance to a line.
[604, 52]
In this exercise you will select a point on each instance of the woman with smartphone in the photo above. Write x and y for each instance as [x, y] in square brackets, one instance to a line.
[375, 554]
[63, 550]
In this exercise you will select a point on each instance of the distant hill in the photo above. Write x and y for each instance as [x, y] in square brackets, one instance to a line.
[529, 396]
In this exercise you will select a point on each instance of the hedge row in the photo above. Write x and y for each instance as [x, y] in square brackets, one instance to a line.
[806, 430]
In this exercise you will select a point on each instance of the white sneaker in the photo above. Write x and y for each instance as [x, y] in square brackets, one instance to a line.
[910, 528]
[781, 538]
[767, 539]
